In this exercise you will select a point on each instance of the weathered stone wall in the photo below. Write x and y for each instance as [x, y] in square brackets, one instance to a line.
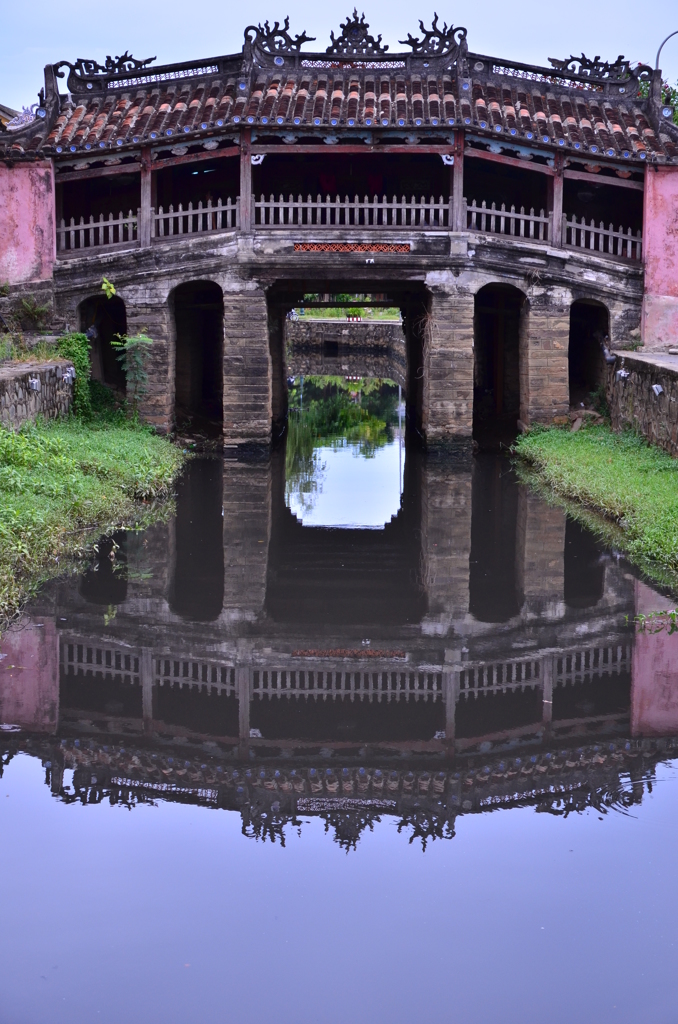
[363, 334]
[19, 402]
[634, 404]
[544, 341]
[354, 363]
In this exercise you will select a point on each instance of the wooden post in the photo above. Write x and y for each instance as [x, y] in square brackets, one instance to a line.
[146, 665]
[246, 181]
[547, 691]
[242, 681]
[557, 202]
[458, 182]
[146, 198]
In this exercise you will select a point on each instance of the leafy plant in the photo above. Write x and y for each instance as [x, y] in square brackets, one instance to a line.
[76, 348]
[107, 288]
[132, 353]
[32, 312]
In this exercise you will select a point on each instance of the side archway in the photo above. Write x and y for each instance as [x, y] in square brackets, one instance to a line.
[589, 331]
[101, 319]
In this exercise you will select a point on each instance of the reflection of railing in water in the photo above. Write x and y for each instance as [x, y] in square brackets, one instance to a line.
[380, 681]
[340, 682]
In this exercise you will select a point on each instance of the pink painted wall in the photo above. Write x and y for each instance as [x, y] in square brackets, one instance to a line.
[27, 235]
[29, 676]
[660, 245]
[654, 685]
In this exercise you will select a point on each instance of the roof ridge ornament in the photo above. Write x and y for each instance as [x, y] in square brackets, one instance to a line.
[86, 68]
[437, 41]
[277, 39]
[587, 67]
[355, 39]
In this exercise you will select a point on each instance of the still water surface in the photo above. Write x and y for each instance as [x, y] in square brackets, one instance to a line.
[358, 736]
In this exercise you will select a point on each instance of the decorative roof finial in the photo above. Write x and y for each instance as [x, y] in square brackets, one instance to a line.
[355, 39]
[277, 39]
[436, 40]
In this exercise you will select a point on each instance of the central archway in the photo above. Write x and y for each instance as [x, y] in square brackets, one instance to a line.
[199, 323]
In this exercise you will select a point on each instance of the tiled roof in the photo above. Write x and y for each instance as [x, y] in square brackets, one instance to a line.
[300, 93]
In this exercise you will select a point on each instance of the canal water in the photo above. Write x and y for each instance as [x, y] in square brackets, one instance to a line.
[358, 735]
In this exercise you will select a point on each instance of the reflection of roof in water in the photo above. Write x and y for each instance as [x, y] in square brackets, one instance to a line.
[426, 795]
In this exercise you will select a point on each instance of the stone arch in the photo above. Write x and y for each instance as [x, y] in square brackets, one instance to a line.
[198, 313]
[499, 311]
[589, 331]
[101, 319]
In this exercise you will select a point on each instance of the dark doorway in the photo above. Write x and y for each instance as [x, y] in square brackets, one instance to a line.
[496, 373]
[199, 320]
[197, 591]
[493, 586]
[589, 329]
[101, 319]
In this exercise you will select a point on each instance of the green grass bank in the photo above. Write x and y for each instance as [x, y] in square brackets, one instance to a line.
[633, 486]
[62, 480]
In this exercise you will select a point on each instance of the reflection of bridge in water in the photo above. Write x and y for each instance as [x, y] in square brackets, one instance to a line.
[474, 652]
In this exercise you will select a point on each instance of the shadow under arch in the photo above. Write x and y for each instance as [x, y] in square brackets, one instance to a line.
[198, 308]
[589, 330]
[101, 319]
[496, 364]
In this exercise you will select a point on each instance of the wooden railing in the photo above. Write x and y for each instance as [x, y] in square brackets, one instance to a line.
[620, 244]
[96, 234]
[500, 221]
[378, 212]
[195, 220]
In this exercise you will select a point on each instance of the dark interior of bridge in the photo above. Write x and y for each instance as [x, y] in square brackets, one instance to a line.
[352, 174]
[209, 180]
[199, 320]
[496, 375]
[115, 194]
[498, 183]
[102, 319]
[589, 327]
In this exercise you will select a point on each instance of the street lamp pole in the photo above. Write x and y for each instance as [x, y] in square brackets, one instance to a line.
[670, 36]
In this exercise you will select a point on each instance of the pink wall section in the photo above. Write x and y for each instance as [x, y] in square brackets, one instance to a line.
[27, 235]
[660, 303]
[654, 686]
[29, 676]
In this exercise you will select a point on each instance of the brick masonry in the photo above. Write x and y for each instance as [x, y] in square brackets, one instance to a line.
[20, 403]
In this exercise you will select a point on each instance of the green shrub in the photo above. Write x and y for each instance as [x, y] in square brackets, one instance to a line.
[76, 348]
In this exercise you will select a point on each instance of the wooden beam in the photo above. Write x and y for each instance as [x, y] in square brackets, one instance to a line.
[246, 181]
[509, 161]
[195, 158]
[352, 150]
[145, 226]
[458, 183]
[97, 172]
[134, 168]
[597, 179]
[556, 183]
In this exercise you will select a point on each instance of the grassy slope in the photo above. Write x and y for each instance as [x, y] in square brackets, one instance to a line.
[620, 475]
[61, 479]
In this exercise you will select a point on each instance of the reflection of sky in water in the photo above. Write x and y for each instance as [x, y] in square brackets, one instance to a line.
[351, 489]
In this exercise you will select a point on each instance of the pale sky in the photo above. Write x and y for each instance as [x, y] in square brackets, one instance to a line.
[529, 31]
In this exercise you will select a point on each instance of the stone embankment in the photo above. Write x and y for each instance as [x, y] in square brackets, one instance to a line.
[28, 390]
[363, 334]
[642, 393]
